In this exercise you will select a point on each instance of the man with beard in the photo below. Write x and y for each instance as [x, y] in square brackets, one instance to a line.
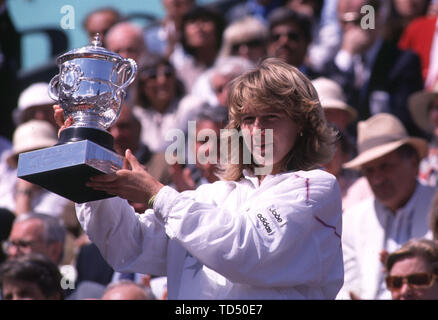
[397, 212]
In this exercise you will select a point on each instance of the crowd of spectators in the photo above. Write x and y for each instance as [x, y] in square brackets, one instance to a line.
[377, 85]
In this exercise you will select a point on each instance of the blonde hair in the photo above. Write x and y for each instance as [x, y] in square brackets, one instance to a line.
[277, 84]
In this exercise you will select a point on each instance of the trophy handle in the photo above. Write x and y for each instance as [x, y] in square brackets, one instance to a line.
[130, 63]
[53, 91]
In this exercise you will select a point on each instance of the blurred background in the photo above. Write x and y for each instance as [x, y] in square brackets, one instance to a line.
[30, 17]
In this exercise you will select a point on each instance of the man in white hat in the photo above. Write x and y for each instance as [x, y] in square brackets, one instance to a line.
[34, 103]
[396, 212]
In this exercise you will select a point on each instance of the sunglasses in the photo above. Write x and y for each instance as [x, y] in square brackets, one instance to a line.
[250, 44]
[294, 36]
[416, 280]
[153, 73]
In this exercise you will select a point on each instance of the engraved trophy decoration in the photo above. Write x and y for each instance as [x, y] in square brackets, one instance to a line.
[90, 87]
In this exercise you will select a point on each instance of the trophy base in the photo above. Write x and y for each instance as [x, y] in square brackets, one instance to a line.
[75, 134]
[64, 169]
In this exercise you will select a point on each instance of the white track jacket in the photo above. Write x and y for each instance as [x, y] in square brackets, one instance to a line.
[280, 239]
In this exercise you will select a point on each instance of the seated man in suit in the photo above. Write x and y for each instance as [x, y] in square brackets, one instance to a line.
[375, 75]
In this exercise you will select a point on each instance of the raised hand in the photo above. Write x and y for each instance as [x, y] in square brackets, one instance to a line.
[132, 182]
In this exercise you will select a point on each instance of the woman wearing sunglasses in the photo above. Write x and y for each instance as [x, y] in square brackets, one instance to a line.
[160, 103]
[413, 271]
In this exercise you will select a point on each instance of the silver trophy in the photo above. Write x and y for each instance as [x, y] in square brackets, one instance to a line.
[90, 87]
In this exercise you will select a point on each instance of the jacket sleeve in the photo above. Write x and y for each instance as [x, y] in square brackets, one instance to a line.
[129, 242]
[286, 235]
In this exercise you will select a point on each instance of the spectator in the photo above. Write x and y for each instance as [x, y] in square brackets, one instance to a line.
[413, 270]
[100, 21]
[46, 235]
[334, 104]
[126, 39]
[238, 238]
[421, 36]
[290, 35]
[212, 86]
[376, 76]
[401, 14]
[38, 233]
[246, 38]
[127, 290]
[423, 106]
[397, 212]
[209, 123]
[161, 104]
[201, 41]
[162, 36]
[21, 196]
[30, 277]
[34, 103]
[126, 133]
[326, 33]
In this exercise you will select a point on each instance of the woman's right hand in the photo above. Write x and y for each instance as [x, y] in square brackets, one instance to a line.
[59, 118]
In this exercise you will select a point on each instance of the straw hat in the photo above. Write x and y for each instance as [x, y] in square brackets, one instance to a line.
[419, 104]
[31, 135]
[331, 96]
[380, 135]
[33, 96]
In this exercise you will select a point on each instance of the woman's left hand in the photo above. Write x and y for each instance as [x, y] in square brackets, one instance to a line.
[132, 182]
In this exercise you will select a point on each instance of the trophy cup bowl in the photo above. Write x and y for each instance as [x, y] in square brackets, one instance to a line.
[90, 87]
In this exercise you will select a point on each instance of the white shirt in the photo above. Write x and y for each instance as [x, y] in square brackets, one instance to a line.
[369, 228]
[230, 240]
[156, 125]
